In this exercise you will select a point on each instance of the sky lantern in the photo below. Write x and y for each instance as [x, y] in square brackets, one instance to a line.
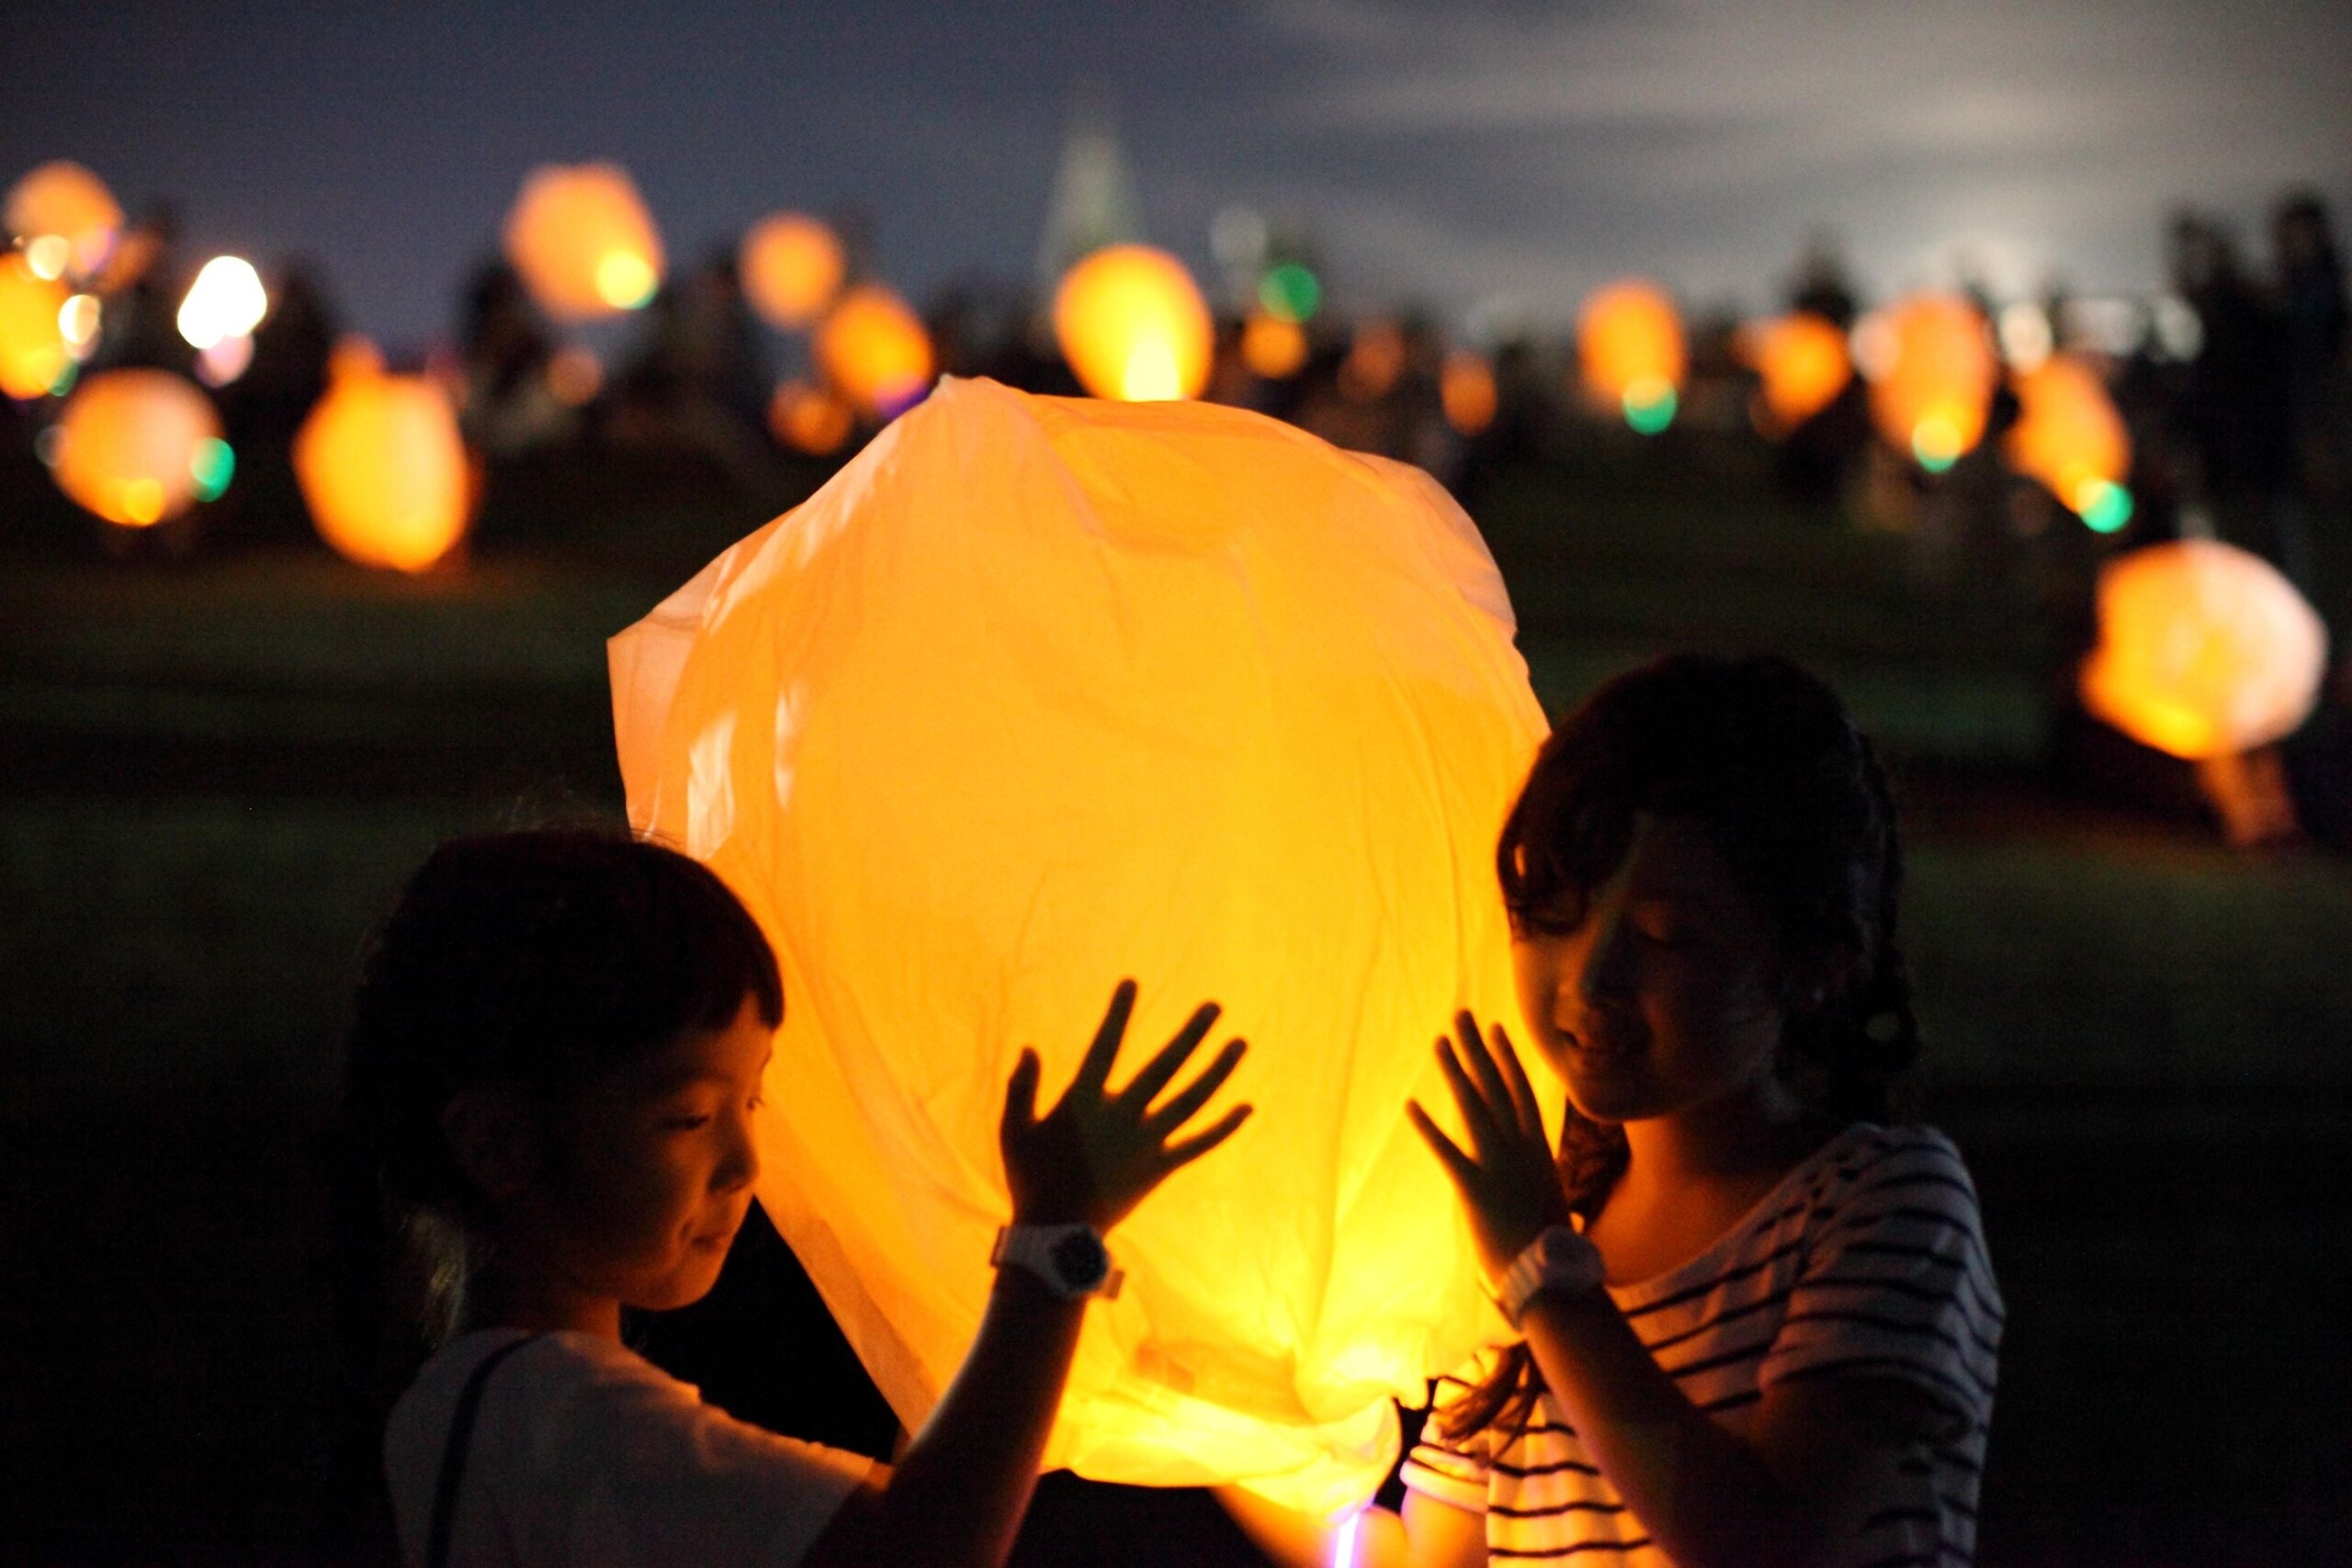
[874, 349]
[139, 447]
[1466, 388]
[65, 218]
[1802, 361]
[792, 265]
[1132, 325]
[2204, 649]
[34, 352]
[1933, 371]
[1630, 353]
[1375, 361]
[382, 468]
[583, 242]
[1038, 692]
[1274, 347]
[810, 419]
[2070, 438]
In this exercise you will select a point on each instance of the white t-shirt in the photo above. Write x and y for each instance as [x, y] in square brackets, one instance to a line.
[584, 1453]
[1866, 1260]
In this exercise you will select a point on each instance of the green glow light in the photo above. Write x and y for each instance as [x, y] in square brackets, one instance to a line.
[1935, 443]
[65, 379]
[1291, 292]
[1649, 410]
[213, 467]
[2108, 506]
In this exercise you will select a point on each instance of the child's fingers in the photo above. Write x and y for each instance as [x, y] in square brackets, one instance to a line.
[1095, 1071]
[1522, 1093]
[1481, 1065]
[1146, 1086]
[1181, 1105]
[1459, 1166]
[1477, 1119]
[1020, 1094]
[1184, 1151]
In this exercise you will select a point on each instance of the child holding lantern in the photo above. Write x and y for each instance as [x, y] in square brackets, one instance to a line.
[1759, 1322]
[556, 1059]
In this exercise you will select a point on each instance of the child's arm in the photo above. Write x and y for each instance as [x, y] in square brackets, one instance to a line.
[1430, 1534]
[1789, 1492]
[957, 1495]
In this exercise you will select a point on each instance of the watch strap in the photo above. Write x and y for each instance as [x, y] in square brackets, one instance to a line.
[1070, 1260]
[1559, 1260]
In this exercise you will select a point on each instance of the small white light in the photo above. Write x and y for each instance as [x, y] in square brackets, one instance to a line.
[226, 300]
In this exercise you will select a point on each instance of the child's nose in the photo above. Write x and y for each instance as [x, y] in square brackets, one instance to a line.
[1607, 971]
[739, 1164]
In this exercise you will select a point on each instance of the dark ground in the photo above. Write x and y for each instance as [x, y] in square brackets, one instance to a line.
[213, 777]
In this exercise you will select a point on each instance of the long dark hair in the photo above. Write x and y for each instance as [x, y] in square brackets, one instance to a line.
[533, 961]
[1763, 757]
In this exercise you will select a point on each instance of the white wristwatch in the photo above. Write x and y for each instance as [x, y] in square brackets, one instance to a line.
[1070, 1259]
[1559, 1260]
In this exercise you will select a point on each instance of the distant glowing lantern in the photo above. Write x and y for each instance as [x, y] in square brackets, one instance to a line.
[1932, 372]
[872, 348]
[810, 419]
[1630, 352]
[1126, 690]
[2069, 438]
[1375, 359]
[65, 214]
[1132, 325]
[792, 266]
[1801, 359]
[2204, 649]
[583, 242]
[34, 349]
[139, 446]
[1274, 347]
[575, 376]
[1468, 390]
[382, 468]
[226, 300]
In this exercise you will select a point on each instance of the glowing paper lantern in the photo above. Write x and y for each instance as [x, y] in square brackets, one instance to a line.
[226, 300]
[2069, 438]
[1468, 390]
[810, 419]
[62, 211]
[1134, 326]
[1933, 371]
[1273, 347]
[872, 348]
[792, 266]
[139, 446]
[33, 348]
[1038, 692]
[583, 243]
[2203, 650]
[1630, 353]
[1375, 359]
[382, 468]
[1801, 359]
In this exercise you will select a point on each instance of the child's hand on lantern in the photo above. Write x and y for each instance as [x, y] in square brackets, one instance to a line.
[1507, 1181]
[1095, 1154]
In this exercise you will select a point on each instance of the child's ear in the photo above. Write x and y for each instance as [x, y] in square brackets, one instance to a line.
[495, 1140]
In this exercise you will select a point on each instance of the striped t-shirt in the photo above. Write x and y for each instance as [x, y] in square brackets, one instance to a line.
[1866, 1260]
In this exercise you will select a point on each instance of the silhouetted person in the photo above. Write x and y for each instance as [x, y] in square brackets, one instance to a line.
[505, 343]
[2235, 405]
[2314, 319]
[265, 408]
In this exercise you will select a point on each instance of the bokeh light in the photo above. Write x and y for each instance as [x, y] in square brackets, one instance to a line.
[1630, 353]
[1291, 291]
[574, 376]
[1933, 371]
[875, 351]
[583, 243]
[1375, 359]
[34, 350]
[1274, 348]
[810, 419]
[137, 446]
[2070, 439]
[1134, 327]
[1801, 363]
[226, 300]
[77, 321]
[382, 468]
[1466, 388]
[2204, 649]
[792, 265]
[67, 214]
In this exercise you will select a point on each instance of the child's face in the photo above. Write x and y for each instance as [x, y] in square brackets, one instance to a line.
[650, 1167]
[1664, 996]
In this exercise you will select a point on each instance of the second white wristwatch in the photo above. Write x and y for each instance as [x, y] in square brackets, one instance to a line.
[1559, 1260]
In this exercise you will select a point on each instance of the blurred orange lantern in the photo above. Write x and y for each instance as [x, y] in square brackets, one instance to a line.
[583, 242]
[139, 446]
[1274, 348]
[33, 349]
[1468, 390]
[382, 467]
[1375, 359]
[791, 266]
[872, 347]
[1802, 361]
[2203, 650]
[1932, 372]
[1219, 658]
[1630, 352]
[1132, 325]
[64, 203]
[810, 419]
[2069, 438]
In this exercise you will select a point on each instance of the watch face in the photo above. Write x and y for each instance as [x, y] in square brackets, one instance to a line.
[1081, 1260]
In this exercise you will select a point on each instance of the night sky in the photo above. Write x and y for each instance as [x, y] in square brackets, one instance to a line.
[1510, 154]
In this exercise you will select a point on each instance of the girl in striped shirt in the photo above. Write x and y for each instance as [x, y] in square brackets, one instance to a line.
[1758, 1322]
